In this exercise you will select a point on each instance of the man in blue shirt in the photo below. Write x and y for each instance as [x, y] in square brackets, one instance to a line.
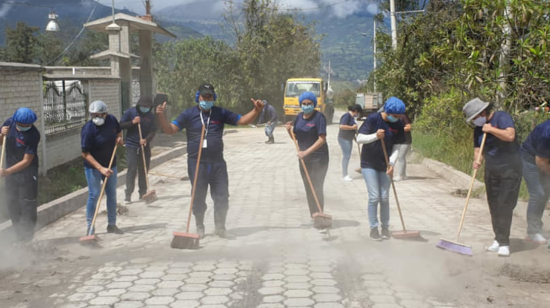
[269, 117]
[21, 138]
[139, 115]
[212, 169]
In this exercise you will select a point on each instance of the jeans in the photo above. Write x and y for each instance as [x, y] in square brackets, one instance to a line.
[135, 165]
[215, 175]
[401, 166]
[346, 146]
[270, 128]
[317, 169]
[21, 190]
[378, 187]
[538, 185]
[94, 178]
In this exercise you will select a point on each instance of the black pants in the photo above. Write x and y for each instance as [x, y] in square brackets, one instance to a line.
[317, 169]
[502, 184]
[215, 175]
[135, 164]
[21, 191]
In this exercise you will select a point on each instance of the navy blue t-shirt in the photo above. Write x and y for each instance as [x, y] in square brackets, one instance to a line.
[20, 143]
[372, 154]
[147, 126]
[100, 141]
[307, 132]
[538, 142]
[497, 151]
[214, 122]
[347, 119]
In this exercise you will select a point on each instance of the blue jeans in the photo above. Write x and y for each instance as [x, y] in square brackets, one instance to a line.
[539, 192]
[346, 146]
[94, 178]
[378, 187]
[270, 128]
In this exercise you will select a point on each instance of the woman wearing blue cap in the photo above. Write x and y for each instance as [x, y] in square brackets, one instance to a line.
[381, 125]
[310, 129]
[21, 138]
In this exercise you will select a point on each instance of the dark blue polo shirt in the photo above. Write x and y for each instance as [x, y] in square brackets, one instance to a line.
[214, 122]
[347, 119]
[372, 154]
[147, 126]
[496, 151]
[20, 143]
[307, 132]
[538, 142]
[100, 141]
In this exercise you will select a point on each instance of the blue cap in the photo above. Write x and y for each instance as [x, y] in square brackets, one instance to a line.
[24, 115]
[394, 106]
[308, 95]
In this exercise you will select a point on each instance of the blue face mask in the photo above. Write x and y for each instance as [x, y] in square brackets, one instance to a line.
[22, 128]
[308, 109]
[144, 109]
[206, 105]
[392, 118]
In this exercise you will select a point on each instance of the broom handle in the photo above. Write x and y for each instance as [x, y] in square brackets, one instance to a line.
[307, 174]
[3, 152]
[393, 185]
[143, 156]
[195, 180]
[92, 226]
[478, 160]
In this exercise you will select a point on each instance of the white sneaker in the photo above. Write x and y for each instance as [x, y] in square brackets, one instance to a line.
[494, 247]
[397, 179]
[127, 202]
[348, 178]
[504, 251]
[536, 238]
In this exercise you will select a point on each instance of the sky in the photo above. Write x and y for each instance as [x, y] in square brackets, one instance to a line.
[339, 8]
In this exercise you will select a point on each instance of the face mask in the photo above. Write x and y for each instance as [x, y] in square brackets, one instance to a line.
[98, 121]
[206, 105]
[308, 109]
[144, 109]
[23, 128]
[480, 121]
[392, 118]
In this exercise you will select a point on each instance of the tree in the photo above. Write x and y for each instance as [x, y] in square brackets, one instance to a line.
[20, 43]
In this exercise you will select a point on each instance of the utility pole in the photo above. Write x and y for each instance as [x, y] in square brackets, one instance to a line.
[329, 71]
[393, 25]
[374, 56]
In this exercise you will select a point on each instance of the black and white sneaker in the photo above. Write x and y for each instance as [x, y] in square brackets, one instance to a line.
[375, 235]
[200, 231]
[386, 234]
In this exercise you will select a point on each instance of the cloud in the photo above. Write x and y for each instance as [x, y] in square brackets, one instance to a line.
[4, 9]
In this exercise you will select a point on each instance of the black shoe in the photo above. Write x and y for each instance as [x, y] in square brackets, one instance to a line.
[270, 141]
[200, 231]
[114, 229]
[223, 233]
[374, 235]
[386, 234]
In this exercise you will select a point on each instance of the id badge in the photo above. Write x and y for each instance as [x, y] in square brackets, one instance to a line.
[204, 144]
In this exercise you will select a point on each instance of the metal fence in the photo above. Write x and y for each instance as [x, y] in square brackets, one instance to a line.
[65, 105]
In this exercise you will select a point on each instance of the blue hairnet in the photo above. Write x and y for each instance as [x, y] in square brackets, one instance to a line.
[394, 106]
[308, 95]
[24, 115]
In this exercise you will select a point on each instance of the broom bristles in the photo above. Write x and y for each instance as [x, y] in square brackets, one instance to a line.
[455, 247]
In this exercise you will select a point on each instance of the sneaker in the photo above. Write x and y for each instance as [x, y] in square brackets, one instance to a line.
[374, 235]
[348, 178]
[504, 251]
[535, 238]
[223, 233]
[398, 179]
[127, 201]
[386, 234]
[323, 231]
[200, 231]
[114, 229]
[493, 248]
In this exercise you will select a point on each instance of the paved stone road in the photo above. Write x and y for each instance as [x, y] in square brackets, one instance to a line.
[277, 260]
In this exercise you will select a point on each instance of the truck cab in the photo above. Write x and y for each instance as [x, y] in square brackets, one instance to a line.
[296, 86]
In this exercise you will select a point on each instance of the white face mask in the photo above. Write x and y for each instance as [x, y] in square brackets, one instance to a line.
[480, 121]
[98, 121]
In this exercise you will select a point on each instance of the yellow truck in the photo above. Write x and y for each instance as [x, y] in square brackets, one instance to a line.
[296, 86]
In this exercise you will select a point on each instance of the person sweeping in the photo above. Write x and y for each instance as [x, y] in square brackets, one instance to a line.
[269, 117]
[99, 137]
[405, 148]
[310, 129]
[346, 135]
[139, 115]
[503, 166]
[212, 167]
[381, 125]
[19, 139]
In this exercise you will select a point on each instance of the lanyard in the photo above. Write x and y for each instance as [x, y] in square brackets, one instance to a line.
[207, 124]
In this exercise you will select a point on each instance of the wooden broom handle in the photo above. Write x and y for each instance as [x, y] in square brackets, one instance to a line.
[195, 180]
[92, 226]
[393, 185]
[307, 174]
[478, 160]
[143, 156]
[3, 151]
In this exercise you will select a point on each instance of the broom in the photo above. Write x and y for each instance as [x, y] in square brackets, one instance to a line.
[91, 238]
[186, 240]
[404, 233]
[320, 219]
[151, 195]
[456, 246]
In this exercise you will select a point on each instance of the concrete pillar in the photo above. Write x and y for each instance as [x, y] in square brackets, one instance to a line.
[146, 66]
